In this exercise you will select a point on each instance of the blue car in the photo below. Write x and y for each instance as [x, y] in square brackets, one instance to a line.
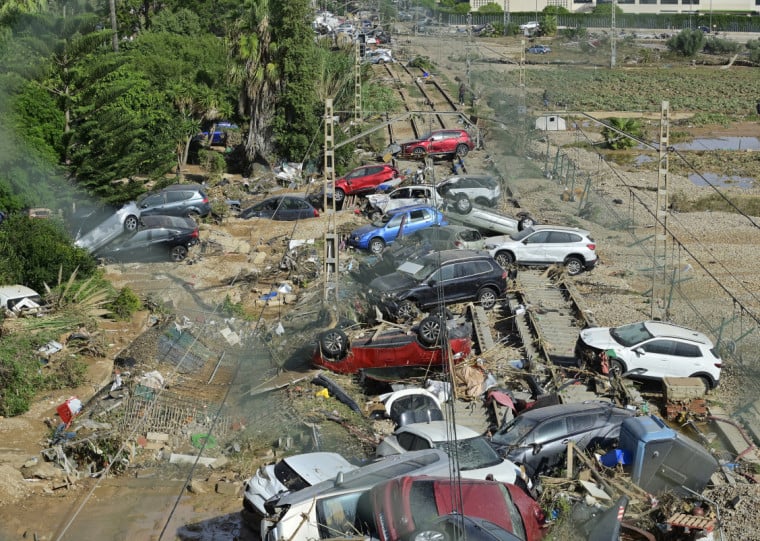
[403, 220]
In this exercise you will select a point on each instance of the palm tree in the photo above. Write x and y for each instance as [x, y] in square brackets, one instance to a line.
[616, 140]
[254, 68]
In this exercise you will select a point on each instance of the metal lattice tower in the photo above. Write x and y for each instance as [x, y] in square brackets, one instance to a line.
[357, 83]
[660, 277]
[613, 38]
[330, 259]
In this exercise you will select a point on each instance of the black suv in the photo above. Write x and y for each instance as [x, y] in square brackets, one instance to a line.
[438, 279]
[188, 200]
[538, 438]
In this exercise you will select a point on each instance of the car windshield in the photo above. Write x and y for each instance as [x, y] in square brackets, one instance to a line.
[472, 454]
[289, 477]
[514, 431]
[630, 335]
[418, 271]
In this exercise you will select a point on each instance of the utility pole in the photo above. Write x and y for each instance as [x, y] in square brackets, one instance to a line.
[330, 259]
[660, 254]
[613, 42]
[357, 82]
[115, 38]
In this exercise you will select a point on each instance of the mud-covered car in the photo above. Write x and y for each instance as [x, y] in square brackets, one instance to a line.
[439, 143]
[393, 225]
[392, 348]
[537, 438]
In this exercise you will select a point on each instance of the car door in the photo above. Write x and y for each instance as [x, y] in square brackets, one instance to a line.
[153, 204]
[558, 246]
[354, 179]
[532, 249]
[418, 219]
[441, 286]
[135, 247]
[176, 202]
[549, 442]
[390, 231]
[658, 356]
[437, 143]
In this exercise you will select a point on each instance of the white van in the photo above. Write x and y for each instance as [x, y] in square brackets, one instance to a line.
[17, 299]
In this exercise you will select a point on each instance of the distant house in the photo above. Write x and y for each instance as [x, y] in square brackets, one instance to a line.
[551, 123]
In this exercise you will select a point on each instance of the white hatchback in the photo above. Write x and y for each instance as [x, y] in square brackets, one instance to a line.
[653, 350]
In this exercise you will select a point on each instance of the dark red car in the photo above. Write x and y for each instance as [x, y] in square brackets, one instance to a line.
[439, 143]
[364, 179]
[392, 348]
[409, 504]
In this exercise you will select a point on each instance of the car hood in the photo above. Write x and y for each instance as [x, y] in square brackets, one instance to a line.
[598, 337]
[394, 281]
[364, 230]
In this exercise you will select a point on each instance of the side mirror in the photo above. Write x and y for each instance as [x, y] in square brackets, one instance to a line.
[432, 282]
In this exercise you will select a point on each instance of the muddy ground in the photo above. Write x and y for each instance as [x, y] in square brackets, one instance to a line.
[239, 262]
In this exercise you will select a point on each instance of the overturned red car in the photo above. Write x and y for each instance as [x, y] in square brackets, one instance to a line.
[394, 347]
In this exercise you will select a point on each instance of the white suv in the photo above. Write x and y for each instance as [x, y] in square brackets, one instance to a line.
[546, 245]
[653, 350]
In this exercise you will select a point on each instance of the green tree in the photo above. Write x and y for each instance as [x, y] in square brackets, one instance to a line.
[754, 50]
[299, 112]
[687, 42]
[548, 25]
[462, 8]
[555, 10]
[256, 73]
[34, 251]
[616, 140]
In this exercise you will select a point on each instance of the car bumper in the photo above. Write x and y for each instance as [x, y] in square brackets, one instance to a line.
[591, 264]
[358, 243]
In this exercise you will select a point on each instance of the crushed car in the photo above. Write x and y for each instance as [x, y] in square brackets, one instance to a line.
[125, 219]
[393, 347]
[393, 225]
[288, 474]
[156, 238]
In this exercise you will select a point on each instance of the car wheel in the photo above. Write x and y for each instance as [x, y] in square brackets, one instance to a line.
[463, 205]
[706, 382]
[462, 150]
[376, 245]
[339, 195]
[617, 367]
[130, 223]
[418, 152]
[429, 330]
[505, 259]
[406, 310]
[487, 298]
[334, 344]
[525, 222]
[194, 215]
[573, 265]
[375, 215]
[179, 253]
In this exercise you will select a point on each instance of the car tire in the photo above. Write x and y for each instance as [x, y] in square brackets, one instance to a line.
[573, 265]
[462, 204]
[407, 310]
[194, 215]
[429, 330]
[130, 223]
[179, 253]
[418, 152]
[339, 195]
[375, 215]
[487, 298]
[617, 367]
[376, 245]
[505, 260]
[333, 344]
[525, 222]
[462, 150]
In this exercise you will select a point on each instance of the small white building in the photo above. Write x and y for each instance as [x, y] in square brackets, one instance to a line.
[551, 123]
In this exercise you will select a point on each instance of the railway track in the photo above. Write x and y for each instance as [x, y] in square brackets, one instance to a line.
[420, 95]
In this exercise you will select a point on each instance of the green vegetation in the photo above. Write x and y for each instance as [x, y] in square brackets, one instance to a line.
[687, 42]
[748, 204]
[125, 304]
[619, 141]
[644, 89]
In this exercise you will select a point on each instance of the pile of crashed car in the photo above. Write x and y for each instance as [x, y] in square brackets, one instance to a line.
[541, 458]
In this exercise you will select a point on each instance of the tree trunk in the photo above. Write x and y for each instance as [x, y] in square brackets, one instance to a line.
[115, 39]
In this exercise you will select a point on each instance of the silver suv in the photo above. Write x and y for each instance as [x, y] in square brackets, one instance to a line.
[546, 245]
[188, 200]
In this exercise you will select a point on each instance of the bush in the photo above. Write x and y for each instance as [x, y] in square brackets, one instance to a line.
[754, 50]
[20, 375]
[687, 42]
[213, 162]
[573, 34]
[125, 304]
[721, 46]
